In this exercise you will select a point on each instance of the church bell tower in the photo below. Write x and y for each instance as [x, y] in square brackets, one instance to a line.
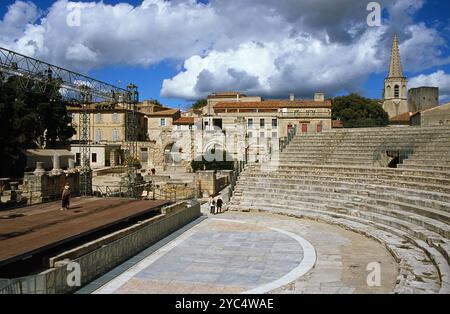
[395, 98]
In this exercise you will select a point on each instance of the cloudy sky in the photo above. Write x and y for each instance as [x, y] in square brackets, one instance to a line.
[181, 50]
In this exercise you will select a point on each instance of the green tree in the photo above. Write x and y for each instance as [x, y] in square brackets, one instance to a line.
[28, 119]
[225, 163]
[156, 102]
[356, 111]
[200, 103]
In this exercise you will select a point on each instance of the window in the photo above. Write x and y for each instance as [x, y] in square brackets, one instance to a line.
[262, 134]
[78, 159]
[274, 135]
[217, 123]
[94, 157]
[250, 134]
[396, 91]
[98, 118]
[274, 123]
[262, 123]
[250, 123]
[98, 135]
[162, 122]
[115, 117]
[115, 135]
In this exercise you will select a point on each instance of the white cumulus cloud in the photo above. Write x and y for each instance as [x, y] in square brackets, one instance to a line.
[269, 47]
[437, 79]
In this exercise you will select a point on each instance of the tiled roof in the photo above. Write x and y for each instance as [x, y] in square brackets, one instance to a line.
[225, 94]
[337, 124]
[184, 121]
[274, 104]
[404, 117]
[164, 113]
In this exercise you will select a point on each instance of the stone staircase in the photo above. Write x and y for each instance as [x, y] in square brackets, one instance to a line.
[406, 209]
[363, 147]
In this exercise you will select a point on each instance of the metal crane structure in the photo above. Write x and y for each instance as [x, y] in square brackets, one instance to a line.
[76, 88]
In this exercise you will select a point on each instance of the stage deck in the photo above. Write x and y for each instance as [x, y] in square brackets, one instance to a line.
[44, 226]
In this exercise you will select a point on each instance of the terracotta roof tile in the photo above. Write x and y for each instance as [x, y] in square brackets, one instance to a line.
[337, 124]
[164, 113]
[184, 121]
[274, 104]
[404, 117]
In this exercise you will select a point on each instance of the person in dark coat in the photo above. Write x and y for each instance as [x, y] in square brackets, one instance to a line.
[219, 204]
[65, 198]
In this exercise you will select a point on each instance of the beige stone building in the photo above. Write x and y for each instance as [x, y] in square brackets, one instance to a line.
[254, 128]
[161, 141]
[273, 118]
[216, 98]
[106, 132]
[107, 123]
[439, 115]
[422, 98]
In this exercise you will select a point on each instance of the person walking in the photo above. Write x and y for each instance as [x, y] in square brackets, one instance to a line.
[212, 205]
[219, 204]
[65, 197]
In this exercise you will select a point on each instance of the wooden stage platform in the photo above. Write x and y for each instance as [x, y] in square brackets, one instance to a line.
[34, 229]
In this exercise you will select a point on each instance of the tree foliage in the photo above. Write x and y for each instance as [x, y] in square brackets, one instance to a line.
[356, 111]
[200, 103]
[27, 120]
[224, 163]
[156, 102]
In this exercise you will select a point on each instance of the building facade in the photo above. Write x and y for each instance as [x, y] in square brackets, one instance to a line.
[437, 116]
[274, 118]
[258, 126]
[423, 98]
[107, 123]
[107, 132]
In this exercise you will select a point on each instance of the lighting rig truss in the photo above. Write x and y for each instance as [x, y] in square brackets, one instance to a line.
[76, 88]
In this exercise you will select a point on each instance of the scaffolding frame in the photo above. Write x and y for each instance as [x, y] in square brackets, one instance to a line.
[76, 88]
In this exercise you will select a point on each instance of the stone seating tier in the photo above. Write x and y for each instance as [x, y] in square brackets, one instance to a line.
[331, 177]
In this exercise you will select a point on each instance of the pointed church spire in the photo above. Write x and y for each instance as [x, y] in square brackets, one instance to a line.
[395, 69]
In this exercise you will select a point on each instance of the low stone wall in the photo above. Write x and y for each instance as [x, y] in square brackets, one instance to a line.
[94, 264]
[108, 170]
[38, 188]
[221, 182]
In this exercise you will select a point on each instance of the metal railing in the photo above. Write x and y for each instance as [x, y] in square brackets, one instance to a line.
[284, 142]
[145, 190]
[24, 198]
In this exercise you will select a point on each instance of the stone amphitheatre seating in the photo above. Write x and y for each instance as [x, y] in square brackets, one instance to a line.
[336, 177]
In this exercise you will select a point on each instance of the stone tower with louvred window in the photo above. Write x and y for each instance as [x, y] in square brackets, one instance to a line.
[395, 93]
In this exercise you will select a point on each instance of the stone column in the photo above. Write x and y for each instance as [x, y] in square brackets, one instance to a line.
[56, 165]
[207, 180]
[39, 171]
[112, 158]
[71, 168]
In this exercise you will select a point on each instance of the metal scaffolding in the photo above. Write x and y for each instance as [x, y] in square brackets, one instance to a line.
[131, 137]
[77, 88]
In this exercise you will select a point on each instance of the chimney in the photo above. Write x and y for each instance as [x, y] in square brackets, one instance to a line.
[237, 97]
[291, 97]
[319, 97]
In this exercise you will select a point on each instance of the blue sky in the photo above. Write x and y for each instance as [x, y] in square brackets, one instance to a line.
[181, 50]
